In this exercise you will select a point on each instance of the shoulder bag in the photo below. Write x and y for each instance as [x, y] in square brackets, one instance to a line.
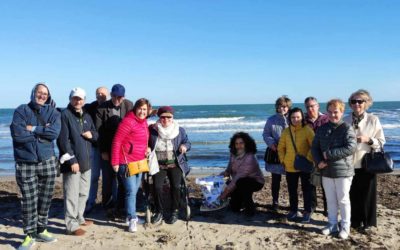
[301, 162]
[135, 167]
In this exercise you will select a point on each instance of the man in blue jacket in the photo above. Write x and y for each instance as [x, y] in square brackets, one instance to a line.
[33, 129]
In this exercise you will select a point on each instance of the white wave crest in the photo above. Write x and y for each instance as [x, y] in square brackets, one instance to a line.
[391, 126]
[209, 120]
[224, 124]
[230, 130]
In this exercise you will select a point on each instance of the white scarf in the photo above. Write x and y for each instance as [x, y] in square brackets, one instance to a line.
[169, 132]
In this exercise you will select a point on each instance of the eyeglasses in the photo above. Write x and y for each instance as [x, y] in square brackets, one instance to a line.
[42, 93]
[357, 101]
[311, 106]
[165, 117]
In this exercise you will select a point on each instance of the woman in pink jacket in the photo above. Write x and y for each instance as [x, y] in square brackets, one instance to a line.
[246, 174]
[130, 145]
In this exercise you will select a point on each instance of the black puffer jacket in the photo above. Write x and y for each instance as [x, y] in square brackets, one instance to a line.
[339, 142]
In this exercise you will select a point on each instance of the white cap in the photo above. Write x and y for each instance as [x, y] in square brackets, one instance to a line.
[77, 92]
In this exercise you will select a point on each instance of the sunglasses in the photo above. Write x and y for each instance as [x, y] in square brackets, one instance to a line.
[165, 117]
[357, 101]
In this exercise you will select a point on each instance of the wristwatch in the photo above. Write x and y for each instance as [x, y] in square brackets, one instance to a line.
[370, 142]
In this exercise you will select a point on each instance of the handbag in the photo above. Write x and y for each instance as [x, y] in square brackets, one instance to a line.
[271, 156]
[377, 162]
[301, 162]
[154, 168]
[135, 167]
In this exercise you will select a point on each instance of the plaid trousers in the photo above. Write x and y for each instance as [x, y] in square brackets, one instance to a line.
[36, 182]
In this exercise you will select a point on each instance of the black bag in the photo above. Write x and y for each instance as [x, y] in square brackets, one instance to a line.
[301, 162]
[377, 162]
[271, 156]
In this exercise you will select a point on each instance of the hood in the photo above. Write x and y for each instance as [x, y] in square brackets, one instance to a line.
[49, 101]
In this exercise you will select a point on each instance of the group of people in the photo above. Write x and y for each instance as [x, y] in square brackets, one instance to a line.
[104, 136]
[108, 134]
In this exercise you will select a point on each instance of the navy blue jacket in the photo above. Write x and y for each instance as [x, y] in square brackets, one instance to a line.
[71, 141]
[176, 142]
[34, 146]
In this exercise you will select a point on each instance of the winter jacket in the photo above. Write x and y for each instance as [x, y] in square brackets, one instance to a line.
[35, 146]
[181, 139]
[71, 141]
[321, 120]
[107, 123]
[273, 129]
[130, 140]
[339, 143]
[242, 167]
[303, 137]
[369, 126]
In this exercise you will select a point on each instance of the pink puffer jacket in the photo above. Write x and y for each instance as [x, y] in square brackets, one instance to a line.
[130, 140]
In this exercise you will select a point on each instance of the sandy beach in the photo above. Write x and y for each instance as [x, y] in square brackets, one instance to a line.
[213, 230]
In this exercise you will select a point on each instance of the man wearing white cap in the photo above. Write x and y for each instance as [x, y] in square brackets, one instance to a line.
[77, 135]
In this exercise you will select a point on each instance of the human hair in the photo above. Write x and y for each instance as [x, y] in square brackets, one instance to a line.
[310, 98]
[294, 110]
[365, 95]
[337, 103]
[283, 100]
[249, 143]
[140, 102]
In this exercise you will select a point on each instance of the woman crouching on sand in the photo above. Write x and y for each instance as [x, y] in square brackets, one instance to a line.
[247, 177]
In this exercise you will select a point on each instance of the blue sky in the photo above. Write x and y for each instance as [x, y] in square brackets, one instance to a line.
[201, 52]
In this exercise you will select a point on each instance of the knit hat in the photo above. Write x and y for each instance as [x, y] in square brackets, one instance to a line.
[118, 90]
[78, 92]
[165, 109]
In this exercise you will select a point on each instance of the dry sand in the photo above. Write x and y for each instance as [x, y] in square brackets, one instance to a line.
[215, 230]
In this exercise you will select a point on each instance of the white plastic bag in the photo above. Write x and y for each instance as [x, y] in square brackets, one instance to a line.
[154, 168]
[211, 188]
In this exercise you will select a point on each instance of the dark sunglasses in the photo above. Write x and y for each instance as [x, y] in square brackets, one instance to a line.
[165, 117]
[357, 101]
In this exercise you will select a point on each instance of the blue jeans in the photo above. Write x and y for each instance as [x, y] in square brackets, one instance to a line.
[96, 167]
[131, 185]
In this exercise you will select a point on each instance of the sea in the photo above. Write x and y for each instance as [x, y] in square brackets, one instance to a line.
[210, 127]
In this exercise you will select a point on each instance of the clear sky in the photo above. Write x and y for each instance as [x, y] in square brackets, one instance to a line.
[201, 52]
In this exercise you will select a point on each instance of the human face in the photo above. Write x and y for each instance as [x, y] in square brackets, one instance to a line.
[101, 95]
[166, 119]
[283, 109]
[312, 108]
[117, 100]
[358, 104]
[141, 112]
[296, 118]
[77, 103]
[334, 114]
[41, 95]
[239, 146]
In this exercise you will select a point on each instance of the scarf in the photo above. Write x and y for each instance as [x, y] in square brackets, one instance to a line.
[169, 132]
[357, 119]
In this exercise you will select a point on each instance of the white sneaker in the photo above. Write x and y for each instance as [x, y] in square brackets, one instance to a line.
[330, 229]
[344, 234]
[139, 221]
[133, 225]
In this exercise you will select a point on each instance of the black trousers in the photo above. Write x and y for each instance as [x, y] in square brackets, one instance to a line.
[175, 178]
[242, 196]
[110, 177]
[292, 183]
[363, 199]
[275, 186]
[314, 202]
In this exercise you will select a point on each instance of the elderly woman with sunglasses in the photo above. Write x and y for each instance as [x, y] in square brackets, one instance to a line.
[170, 143]
[370, 135]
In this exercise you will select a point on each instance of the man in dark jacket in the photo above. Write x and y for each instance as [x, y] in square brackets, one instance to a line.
[109, 115]
[33, 129]
[77, 135]
[91, 108]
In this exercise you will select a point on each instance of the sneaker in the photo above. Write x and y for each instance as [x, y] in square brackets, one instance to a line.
[330, 229]
[45, 236]
[173, 218]
[133, 225]
[156, 218]
[344, 234]
[306, 217]
[27, 244]
[291, 215]
[275, 207]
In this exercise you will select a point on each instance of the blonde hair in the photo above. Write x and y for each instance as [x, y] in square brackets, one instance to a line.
[365, 95]
[337, 103]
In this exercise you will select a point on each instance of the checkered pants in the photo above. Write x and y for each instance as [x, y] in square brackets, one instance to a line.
[36, 182]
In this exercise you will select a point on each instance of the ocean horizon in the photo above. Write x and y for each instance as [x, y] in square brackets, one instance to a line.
[210, 127]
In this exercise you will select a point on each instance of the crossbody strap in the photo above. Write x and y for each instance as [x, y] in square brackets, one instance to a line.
[291, 137]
